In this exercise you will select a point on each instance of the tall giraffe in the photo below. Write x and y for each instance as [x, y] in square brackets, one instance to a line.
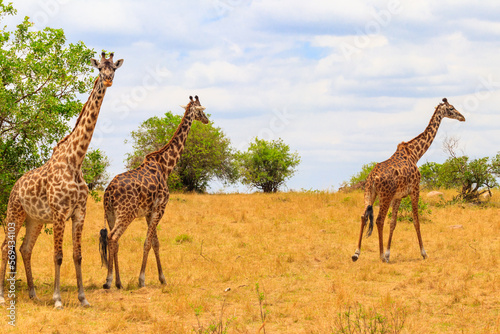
[143, 192]
[398, 177]
[56, 191]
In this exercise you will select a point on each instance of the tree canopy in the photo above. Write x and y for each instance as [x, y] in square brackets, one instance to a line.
[207, 153]
[40, 78]
[94, 171]
[267, 164]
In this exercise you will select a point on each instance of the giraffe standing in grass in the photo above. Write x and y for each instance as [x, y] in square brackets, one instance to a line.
[143, 192]
[56, 192]
[398, 177]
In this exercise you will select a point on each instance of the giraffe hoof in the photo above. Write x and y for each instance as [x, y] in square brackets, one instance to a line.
[119, 286]
[2, 301]
[142, 281]
[355, 257]
[106, 286]
[424, 255]
[58, 305]
[85, 303]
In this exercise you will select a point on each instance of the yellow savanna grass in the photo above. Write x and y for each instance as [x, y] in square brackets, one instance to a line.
[297, 247]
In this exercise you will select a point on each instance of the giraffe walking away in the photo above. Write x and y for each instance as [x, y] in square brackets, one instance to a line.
[398, 177]
[143, 192]
[56, 192]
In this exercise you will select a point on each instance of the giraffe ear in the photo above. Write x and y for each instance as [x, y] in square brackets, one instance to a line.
[118, 63]
[183, 107]
[200, 108]
[94, 63]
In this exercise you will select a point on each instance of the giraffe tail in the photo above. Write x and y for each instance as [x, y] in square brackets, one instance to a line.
[103, 246]
[369, 214]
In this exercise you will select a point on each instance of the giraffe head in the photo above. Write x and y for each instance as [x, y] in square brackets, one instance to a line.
[195, 104]
[447, 110]
[106, 68]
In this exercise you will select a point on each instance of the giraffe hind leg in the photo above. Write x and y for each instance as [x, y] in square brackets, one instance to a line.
[384, 208]
[394, 220]
[364, 218]
[13, 223]
[32, 232]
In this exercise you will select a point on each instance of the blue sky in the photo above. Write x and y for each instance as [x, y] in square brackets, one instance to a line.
[341, 82]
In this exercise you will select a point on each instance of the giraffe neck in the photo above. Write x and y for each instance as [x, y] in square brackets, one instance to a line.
[420, 144]
[75, 145]
[169, 155]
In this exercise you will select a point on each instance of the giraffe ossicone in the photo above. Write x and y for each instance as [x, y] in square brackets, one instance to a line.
[398, 177]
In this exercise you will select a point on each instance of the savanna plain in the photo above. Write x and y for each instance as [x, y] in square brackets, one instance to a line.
[278, 263]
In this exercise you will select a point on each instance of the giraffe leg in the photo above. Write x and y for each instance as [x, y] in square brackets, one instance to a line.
[32, 232]
[147, 247]
[364, 219]
[152, 239]
[13, 223]
[113, 237]
[394, 220]
[414, 205]
[58, 258]
[384, 208]
[152, 221]
[118, 281]
[156, 248]
[78, 220]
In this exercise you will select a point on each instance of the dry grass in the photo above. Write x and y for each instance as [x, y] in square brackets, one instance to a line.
[297, 247]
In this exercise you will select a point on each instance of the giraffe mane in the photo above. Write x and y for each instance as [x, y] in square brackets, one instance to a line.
[77, 120]
[167, 145]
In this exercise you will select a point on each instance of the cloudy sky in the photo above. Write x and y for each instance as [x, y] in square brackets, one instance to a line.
[341, 82]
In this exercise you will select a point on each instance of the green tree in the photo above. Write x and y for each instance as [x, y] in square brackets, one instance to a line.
[267, 164]
[207, 153]
[472, 178]
[430, 176]
[94, 171]
[357, 181]
[40, 78]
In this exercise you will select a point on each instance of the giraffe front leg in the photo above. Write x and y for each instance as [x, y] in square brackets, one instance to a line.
[78, 220]
[58, 258]
[147, 247]
[414, 205]
[394, 220]
[32, 232]
[156, 248]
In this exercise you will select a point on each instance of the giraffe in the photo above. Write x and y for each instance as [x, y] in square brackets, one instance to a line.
[143, 192]
[56, 191]
[398, 177]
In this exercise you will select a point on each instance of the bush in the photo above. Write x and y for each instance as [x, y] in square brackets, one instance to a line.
[267, 164]
[357, 181]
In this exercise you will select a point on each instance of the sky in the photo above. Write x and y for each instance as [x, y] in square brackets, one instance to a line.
[341, 82]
